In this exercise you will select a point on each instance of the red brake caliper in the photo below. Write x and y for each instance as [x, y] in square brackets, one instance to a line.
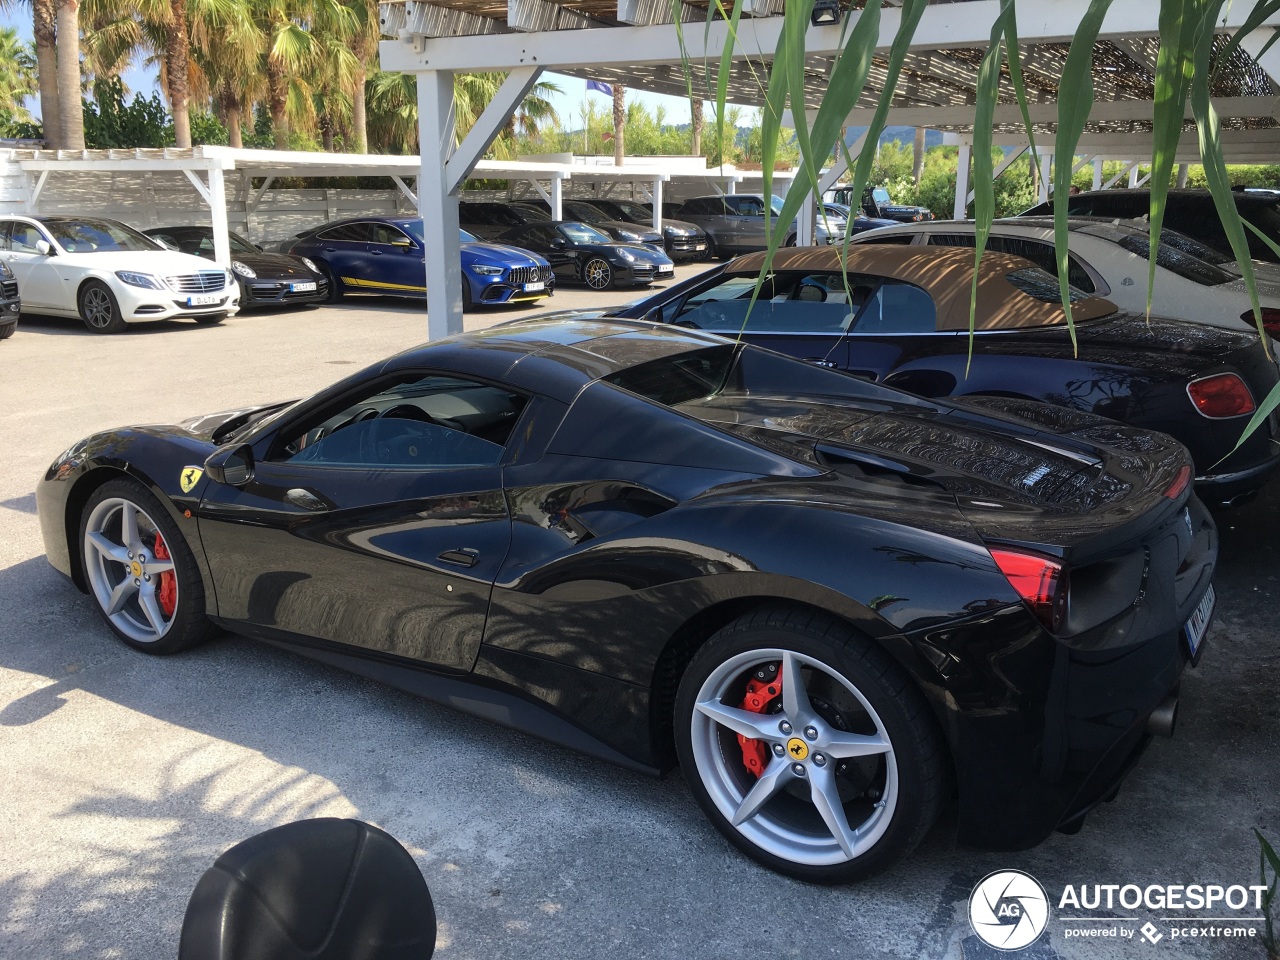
[168, 592]
[763, 690]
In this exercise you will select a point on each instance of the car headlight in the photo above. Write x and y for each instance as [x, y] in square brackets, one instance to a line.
[146, 280]
[626, 256]
[310, 264]
[243, 269]
[4, 270]
[485, 270]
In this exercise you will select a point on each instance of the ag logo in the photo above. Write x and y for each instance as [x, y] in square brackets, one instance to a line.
[1008, 910]
[189, 478]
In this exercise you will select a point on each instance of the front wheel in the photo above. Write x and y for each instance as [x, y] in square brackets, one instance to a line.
[99, 308]
[335, 288]
[807, 747]
[597, 274]
[140, 571]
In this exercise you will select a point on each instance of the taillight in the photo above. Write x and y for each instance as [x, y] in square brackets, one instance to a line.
[1270, 320]
[1220, 396]
[1179, 484]
[1042, 584]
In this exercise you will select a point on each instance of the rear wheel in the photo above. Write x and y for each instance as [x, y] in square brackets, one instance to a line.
[807, 747]
[99, 309]
[140, 571]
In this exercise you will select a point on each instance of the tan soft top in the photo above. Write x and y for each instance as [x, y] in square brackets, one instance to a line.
[946, 274]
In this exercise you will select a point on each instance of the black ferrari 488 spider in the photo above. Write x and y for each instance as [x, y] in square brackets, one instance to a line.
[834, 604]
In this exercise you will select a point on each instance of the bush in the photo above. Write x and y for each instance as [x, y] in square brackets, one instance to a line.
[110, 122]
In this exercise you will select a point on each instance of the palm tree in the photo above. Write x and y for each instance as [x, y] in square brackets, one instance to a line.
[619, 124]
[290, 51]
[44, 28]
[696, 121]
[393, 112]
[363, 43]
[226, 55]
[70, 104]
[17, 74]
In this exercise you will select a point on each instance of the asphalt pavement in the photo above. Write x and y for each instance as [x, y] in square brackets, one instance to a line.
[124, 776]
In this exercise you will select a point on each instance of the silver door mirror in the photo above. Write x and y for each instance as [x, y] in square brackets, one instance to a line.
[43, 248]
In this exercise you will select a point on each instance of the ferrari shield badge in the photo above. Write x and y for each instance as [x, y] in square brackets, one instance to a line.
[190, 477]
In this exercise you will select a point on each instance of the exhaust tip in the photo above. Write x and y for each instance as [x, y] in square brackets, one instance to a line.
[1164, 718]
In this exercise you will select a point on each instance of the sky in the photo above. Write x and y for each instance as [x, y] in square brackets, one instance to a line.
[568, 103]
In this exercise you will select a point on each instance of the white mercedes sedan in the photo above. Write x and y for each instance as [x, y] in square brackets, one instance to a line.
[109, 275]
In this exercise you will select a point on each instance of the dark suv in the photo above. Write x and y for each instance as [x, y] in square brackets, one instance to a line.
[1188, 211]
[734, 223]
[10, 305]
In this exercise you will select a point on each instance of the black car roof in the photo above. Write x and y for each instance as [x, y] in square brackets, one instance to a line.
[554, 357]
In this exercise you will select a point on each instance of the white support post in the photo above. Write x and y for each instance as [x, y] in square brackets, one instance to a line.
[1131, 165]
[438, 204]
[1097, 173]
[806, 222]
[839, 167]
[656, 194]
[537, 188]
[1142, 182]
[1046, 175]
[1000, 168]
[217, 198]
[557, 198]
[34, 203]
[731, 187]
[198, 184]
[1133, 175]
[404, 188]
[490, 123]
[962, 180]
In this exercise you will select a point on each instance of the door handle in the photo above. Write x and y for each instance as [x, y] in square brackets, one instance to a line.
[305, 499]
[330, 249]
[376, 253]
[820, 363]
[464, 557]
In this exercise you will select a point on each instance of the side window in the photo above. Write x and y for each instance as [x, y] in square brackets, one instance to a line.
[695, 208]
[23, 237]
[873, 236]
[954, 240]
[898, 308]
[413, 421]
[347, 233]
[788, 303]
[4, 236]
[747, 206]
[1040, 253]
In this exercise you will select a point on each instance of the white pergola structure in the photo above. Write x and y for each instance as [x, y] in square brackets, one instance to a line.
[636, 43]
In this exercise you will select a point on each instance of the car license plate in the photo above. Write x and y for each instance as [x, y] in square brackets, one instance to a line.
[1199, 622]
[534, 287]
[666, 269]
[306, 286]
[203, 299]
[700, 246]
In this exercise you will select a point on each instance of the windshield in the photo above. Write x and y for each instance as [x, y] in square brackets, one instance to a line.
[881, 196]
[466, 237]
[584, 212]
[97, 236]
[238, 243]
[776, 205]
[581, 233]
[633, 212]
[1183, 264]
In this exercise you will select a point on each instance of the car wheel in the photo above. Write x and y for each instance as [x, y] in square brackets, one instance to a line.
[335, 288]
[468, 303]
[712, 253]
[790, 241]
[209, 319]
[597, 274]
[9, 331]
[99, 309]
[807, 747]
[140, 571]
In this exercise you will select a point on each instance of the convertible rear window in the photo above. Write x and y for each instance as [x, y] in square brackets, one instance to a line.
[682, 378]
[1043, 286]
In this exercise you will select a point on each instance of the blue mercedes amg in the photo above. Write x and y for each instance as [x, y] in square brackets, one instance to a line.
[387, 255]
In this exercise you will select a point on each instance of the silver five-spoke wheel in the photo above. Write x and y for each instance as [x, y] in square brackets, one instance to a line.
[129, 570]
[828, 784]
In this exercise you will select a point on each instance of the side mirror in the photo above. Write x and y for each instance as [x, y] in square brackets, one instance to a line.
[557, 244]
[43, 248]
[233, 466]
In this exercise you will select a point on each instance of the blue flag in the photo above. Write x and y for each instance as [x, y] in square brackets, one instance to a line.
[599, 87]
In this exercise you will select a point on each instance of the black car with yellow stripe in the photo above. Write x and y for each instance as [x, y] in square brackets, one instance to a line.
[387, 255]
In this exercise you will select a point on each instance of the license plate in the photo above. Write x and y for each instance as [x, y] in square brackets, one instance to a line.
[203, 299]
[666, 269]
[700, 246]
[534, 287]
[1199, 622]
[306, 286]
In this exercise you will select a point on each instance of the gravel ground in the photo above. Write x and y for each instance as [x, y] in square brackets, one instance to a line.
[125, 775]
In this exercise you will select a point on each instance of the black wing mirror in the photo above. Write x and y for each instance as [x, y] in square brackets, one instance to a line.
[557, 244]
[232, 466]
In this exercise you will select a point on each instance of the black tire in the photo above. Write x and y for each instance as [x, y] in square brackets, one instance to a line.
[598, 274]
[790, 241]
[99, 308]
[468, 303]
[335, 288]
[712, 253]
[209, 319]
[831, 656]
[9, 330]
[189, 625]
